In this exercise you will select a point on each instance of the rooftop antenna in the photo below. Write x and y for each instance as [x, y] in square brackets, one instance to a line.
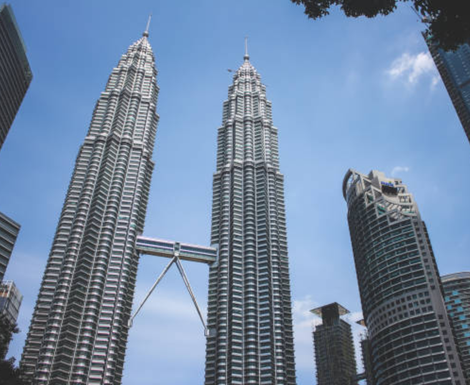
[246, 57]
[146, 33]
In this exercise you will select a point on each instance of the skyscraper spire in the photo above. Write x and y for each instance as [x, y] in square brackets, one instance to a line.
[146, 32]
[246, 57]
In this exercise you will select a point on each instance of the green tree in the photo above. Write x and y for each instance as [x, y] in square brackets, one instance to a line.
[447, 21]
[6, 334]
[9, 374]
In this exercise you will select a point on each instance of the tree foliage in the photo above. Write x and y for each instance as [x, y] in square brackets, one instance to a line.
[9, 374]
[6, 334]
[447, 21]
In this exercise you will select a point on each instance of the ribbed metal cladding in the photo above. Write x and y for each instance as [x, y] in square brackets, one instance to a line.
[249, 313]
[78, 332]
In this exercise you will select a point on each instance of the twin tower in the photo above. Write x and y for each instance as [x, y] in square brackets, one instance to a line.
[79, 329]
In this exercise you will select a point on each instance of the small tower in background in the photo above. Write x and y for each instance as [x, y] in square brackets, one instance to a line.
[334, 347]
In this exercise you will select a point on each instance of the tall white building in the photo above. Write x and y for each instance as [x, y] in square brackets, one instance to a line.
[249, 311]
[79, 329]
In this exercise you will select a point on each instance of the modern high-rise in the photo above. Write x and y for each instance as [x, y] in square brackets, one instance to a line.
[79, 329]
[367, 359]
[457, 298]
[9, 230]
[10, 301]
[249, 306]
[334, 347]
[410, 333]
[454, 67]
[15, 73]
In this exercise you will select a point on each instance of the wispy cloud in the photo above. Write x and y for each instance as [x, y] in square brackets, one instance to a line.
[411, 68]
[399, 169]
[304, 321]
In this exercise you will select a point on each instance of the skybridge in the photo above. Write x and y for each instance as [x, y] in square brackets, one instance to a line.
[176, 252]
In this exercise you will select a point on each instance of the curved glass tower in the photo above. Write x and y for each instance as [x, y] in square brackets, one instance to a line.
[401, 293]
[78, 332]
[250, 316]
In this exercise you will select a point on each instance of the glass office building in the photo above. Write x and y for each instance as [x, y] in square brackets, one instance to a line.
[454, 67]
[410, 334]
[15, 72]
[9, 230]
[10, 301]
[457, 298]
[335, 358]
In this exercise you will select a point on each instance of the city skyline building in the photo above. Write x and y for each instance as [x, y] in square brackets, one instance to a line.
[457, 298]
[79, 329]
[15, 72]
[249, 306]
[9, 230]
[367, 359]
[411, 339]
[335, 358]
[10, 301]
[454, 68]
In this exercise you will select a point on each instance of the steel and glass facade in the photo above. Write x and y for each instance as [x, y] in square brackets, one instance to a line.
[10, 301]
[454, 67]
[9, 230]
[15, 72]
[367, 360]
[334, 347]
[409, 330]
[79, 329]
[457, 298]
[249, 307]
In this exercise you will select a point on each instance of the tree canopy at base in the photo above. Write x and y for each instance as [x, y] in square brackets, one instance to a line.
[447, 21]
[9, 374]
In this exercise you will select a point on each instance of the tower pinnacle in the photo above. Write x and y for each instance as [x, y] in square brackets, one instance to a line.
[146, 32]
[246, 57]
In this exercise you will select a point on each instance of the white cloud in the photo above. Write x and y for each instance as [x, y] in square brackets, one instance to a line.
[435, 81]
[411, 68]
[304, 322]
[399, 169]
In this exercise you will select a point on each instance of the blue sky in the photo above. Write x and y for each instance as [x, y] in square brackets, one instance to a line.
[346, 93]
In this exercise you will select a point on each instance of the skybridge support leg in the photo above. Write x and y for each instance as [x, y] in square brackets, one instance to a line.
[175, 258]
[190, 291]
